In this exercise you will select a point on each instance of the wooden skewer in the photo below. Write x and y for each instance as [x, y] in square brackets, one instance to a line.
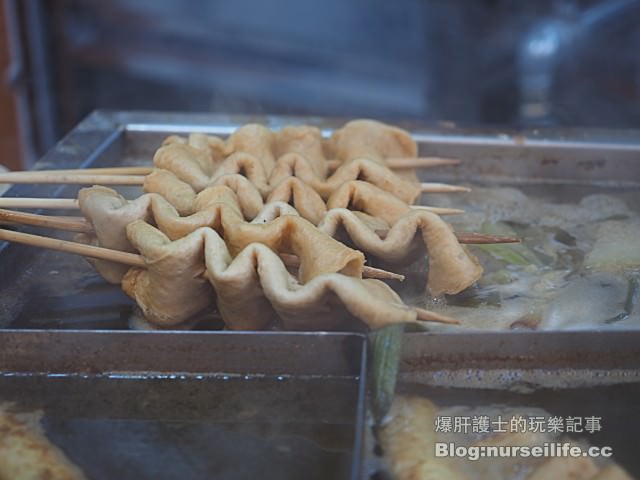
[73, 247]
[137, 170]
[419, 162]
[135, 260]
[72, 204]
[484, 238]
[393, 163]
[373, 272]
[44, 203]
[429, 316]
[35, 177]
[438, 210]
[399, 163]
[80, 224]
[73, 224]
[70, 178]
[470, 238]
[431, 187]
[368, 272]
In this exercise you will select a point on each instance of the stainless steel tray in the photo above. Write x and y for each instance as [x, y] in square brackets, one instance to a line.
[564, 374]
[57, 317]
[195, 405]
[53, 290]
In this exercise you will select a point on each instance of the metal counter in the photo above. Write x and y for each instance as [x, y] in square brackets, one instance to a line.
[65, 346]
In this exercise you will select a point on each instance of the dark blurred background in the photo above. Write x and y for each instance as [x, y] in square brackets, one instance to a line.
[481, 62]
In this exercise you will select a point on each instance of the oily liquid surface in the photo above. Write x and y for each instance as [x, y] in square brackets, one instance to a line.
[194, 426]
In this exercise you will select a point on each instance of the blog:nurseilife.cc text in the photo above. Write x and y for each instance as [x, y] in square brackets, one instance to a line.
[547, 449]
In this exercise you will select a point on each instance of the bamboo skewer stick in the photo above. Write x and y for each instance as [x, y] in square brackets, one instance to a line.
[470, 238]
[81, 224]
[36, 177]
[42, 203]
[135, 260]
[72, 224]
[72, 204]
[133, 170]
[53, 177]
[438, 210]
[134, 175]
[368, 272]
[73, 247]
[393, 163]
[400, 163]
[432, 187]
[419, 162]
[484, 238]
[428, 316]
